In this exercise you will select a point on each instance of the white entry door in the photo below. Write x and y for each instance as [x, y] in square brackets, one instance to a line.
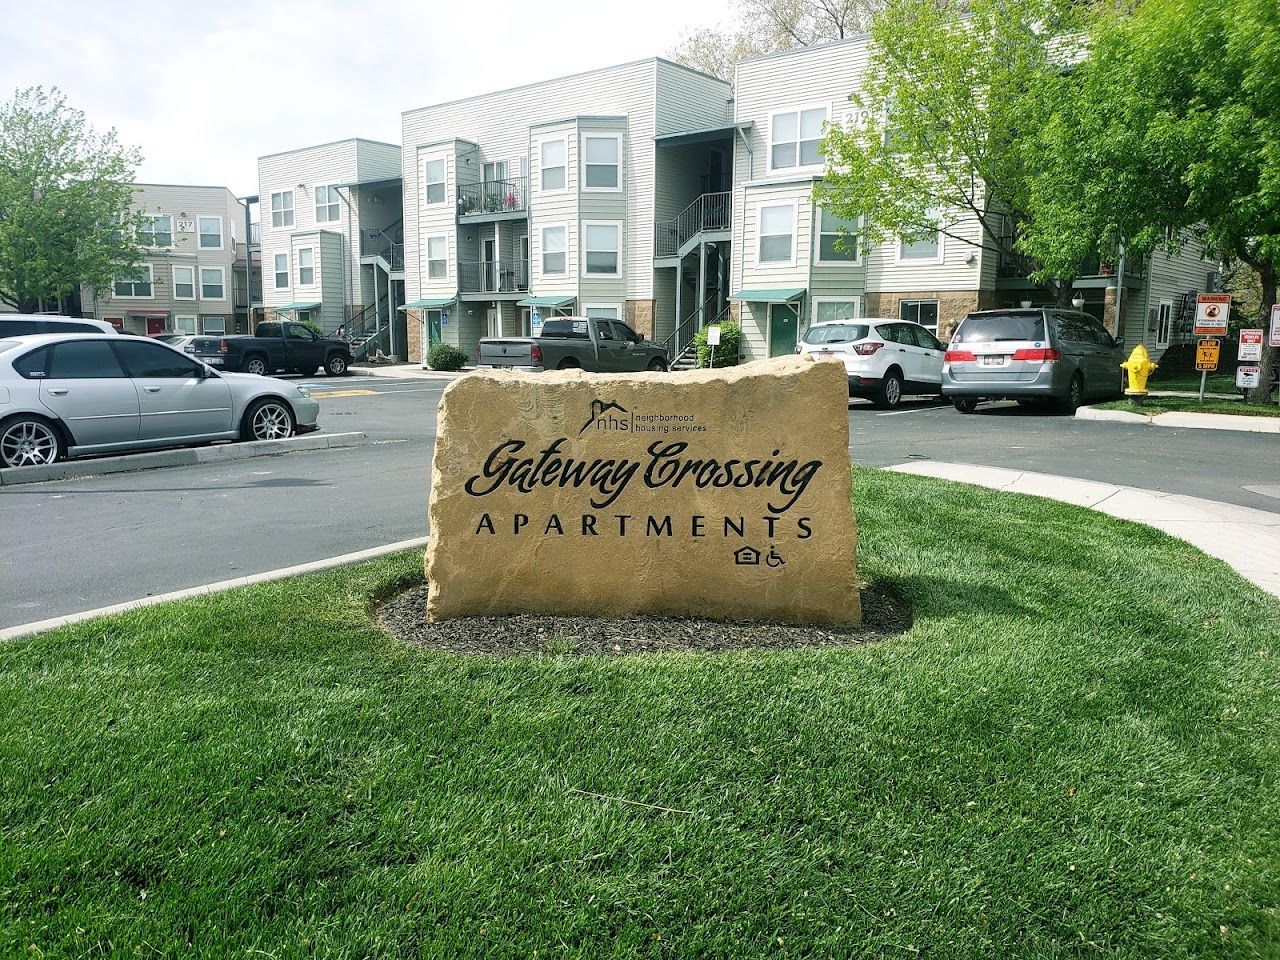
[494, 322]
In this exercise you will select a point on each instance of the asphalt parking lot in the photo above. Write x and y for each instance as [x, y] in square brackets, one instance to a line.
[73, 545]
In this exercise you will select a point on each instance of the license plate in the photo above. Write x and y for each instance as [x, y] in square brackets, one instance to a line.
[993, 361]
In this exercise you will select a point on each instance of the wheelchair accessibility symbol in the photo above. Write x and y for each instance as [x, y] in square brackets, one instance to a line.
[773, 559]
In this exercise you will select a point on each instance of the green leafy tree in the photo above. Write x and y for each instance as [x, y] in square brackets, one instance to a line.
[64, 202]
[1168, 133]
[943, 114]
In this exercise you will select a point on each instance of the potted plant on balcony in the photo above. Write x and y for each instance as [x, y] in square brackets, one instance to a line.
[509, 202]
[1106, 268]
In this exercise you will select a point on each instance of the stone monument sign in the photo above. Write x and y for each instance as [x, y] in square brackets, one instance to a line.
[720, 493]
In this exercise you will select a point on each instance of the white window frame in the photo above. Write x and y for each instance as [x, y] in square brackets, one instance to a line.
[311, 267]
[275, 269]
[937, 304]
[222, 282]
[151, 281]
[542, 189]
[152, 218]
[819, 233]
[582, 159]
[1164, 323]
[428, 259]
[330, 190]
[797, 110]
[855, 299]
[914, 261]
[427, 182]
[586, 231]
[204, 326]
[191, 270]
[542, 249]
[222, 241]
[760, 235]
[282, 194]
[190, 329]
[617, 308]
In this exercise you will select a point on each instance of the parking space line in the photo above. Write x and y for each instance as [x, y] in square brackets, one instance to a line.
[898, 413]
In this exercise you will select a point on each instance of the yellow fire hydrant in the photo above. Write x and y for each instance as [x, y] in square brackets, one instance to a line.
[1139, 367]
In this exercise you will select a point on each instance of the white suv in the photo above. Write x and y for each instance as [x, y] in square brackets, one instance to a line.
[885, 359]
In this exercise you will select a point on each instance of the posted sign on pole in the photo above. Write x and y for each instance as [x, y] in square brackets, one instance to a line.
[1208, 353]
[713, 336]
[1212, 310]
[1275, 325]
[1250, 345]
[1247, 377]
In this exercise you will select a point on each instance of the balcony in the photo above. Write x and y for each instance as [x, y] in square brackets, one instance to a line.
[386, 243]
[495, 277]
[1013, 268]
[493, 200]
[710, 213]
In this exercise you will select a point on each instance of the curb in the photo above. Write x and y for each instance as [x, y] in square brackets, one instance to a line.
[315, 566]
[401, 371]
[182, 457]
[1196, 421]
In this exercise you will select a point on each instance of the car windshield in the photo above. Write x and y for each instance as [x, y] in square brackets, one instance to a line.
[995, 327]
[836, 333]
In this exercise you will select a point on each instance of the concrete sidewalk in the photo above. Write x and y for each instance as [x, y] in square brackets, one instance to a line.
[407, 371]
[1196, 421]
[1248, 540]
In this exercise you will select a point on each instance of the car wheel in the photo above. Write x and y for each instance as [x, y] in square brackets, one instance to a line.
[569, 364]
[29, 441]
[267, 419]
[965, 404]
[336, 365]
[256, 365]
[1075, 395]
[890, 393]
[657, 366]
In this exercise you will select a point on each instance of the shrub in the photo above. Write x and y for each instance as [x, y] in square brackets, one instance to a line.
[444, 357]
[726, 352]
[313, 326]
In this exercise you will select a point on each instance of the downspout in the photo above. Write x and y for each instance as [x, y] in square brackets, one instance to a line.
[1119, 291]
[248, 264]
[742, 264]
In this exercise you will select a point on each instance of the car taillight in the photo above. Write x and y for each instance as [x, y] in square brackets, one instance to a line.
[867, 349]
[1038, 355]
[222, 345]
[535, 353]
[960, 356]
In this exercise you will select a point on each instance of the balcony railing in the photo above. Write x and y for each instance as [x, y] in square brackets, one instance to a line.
[711, 211]
[387, 243]
[1012, 265]
[494, 276]
[493, 196]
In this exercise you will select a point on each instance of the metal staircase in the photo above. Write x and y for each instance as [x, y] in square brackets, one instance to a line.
[680, 344]
[369, 331]
[710, 213]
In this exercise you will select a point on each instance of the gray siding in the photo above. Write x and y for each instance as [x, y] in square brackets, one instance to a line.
[689, 100]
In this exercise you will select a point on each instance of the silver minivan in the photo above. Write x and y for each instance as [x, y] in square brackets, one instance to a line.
[1043, 353]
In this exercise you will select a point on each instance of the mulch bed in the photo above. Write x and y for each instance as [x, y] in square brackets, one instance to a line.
[403, 615]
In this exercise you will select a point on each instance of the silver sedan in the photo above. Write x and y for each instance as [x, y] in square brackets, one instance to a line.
[67, 395]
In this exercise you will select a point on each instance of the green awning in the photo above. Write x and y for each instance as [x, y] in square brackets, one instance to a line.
[429, 303]
[770, 295]
[552, 302]
[292, 307]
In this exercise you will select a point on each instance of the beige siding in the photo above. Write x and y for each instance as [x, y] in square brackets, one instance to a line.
[689, 100]
[1168, 278]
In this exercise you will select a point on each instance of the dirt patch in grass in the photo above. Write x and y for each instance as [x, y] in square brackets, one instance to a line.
[403, 615]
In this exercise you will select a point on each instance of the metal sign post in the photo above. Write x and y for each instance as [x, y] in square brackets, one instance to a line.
[713, 341]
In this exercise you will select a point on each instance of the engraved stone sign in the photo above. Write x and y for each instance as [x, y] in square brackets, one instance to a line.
[719, 493]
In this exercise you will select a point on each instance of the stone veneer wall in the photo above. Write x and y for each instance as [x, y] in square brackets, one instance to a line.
[952, 305]
[413, 334]
[640, 317]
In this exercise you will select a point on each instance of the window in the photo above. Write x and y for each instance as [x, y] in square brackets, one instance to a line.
[215, 326]
[555, 261]
[777, 233]
[282, 209]
[433, 180]
[282, 271]
[151, 360]
[184, 283]
[924, 248]
[299, 332]
[136, 283]
[85, 360]
[600, 158]
[210, 233]
[494, 172]
[156, 232]
[327, 204]
[602, 241]
[185, 324]
[212, 284]
[602, 312]
[1164, 323]
[306, 266]
[838, 239]
[33, 364]
[553, 165]
[438, 257]
[923, 312]
[828, 309]
[794, 138]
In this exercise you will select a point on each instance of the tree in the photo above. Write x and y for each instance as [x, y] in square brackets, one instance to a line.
[1169, 134]
[64, 202]
[943, 111]
[768, 26]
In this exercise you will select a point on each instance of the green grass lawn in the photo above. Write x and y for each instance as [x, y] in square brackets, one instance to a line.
[1155, 405]
[1075, 752]
[1216, 383]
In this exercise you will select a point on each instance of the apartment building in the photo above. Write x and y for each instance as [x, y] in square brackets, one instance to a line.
[191, 279]
[543, 200]
[333, 240]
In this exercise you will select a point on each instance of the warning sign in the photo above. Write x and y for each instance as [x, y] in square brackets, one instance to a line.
[1207, 354]
[1250, 345]
[1275, 326]
[1212, 311]
[1247, 377]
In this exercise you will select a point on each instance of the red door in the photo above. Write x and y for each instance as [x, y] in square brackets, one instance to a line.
[155, 326]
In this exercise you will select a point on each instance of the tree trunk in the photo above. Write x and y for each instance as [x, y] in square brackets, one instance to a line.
[1261, 394]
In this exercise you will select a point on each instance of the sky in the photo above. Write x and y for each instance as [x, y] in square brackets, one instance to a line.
[205, 88]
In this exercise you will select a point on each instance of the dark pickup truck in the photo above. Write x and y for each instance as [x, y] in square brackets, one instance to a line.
[579, 343]
[275, 346]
